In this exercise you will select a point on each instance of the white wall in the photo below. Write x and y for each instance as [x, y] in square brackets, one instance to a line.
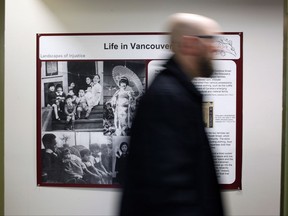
[262, 24]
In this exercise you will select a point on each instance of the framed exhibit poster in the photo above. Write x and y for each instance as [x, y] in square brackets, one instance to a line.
[88, 88]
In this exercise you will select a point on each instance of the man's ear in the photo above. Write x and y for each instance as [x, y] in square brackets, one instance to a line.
[190, 45]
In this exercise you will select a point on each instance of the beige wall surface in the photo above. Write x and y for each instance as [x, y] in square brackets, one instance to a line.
[262, 25]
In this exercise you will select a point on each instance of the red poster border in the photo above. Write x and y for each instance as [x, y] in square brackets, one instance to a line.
[236, 185]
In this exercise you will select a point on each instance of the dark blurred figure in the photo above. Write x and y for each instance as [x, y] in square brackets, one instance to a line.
[170, 165]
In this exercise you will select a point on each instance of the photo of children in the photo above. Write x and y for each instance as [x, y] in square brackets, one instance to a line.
[76, 158]
[72, 99]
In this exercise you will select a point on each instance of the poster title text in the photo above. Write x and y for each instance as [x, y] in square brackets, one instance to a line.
[136, 46]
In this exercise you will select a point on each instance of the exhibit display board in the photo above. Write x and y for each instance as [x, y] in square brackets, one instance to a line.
[88, 88]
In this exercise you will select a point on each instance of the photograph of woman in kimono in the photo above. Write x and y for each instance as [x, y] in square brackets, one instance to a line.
[123, 105]
[123, 86]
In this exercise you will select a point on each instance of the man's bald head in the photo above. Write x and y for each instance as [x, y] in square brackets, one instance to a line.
[193, 51]
[185, 24]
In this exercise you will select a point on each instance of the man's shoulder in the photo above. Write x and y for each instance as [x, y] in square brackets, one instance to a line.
[166, 83]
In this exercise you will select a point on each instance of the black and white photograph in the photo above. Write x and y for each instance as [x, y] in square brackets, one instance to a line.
[208, 114]
[124, 84]
[72, 98]
[87, 109]
[76, 158]
[121, 151]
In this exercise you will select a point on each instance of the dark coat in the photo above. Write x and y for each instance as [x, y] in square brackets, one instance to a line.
[170, 166]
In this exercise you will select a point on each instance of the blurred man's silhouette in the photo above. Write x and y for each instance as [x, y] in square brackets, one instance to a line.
[170, 166]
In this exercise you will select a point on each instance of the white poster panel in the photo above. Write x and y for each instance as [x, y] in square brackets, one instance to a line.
[219, 109]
